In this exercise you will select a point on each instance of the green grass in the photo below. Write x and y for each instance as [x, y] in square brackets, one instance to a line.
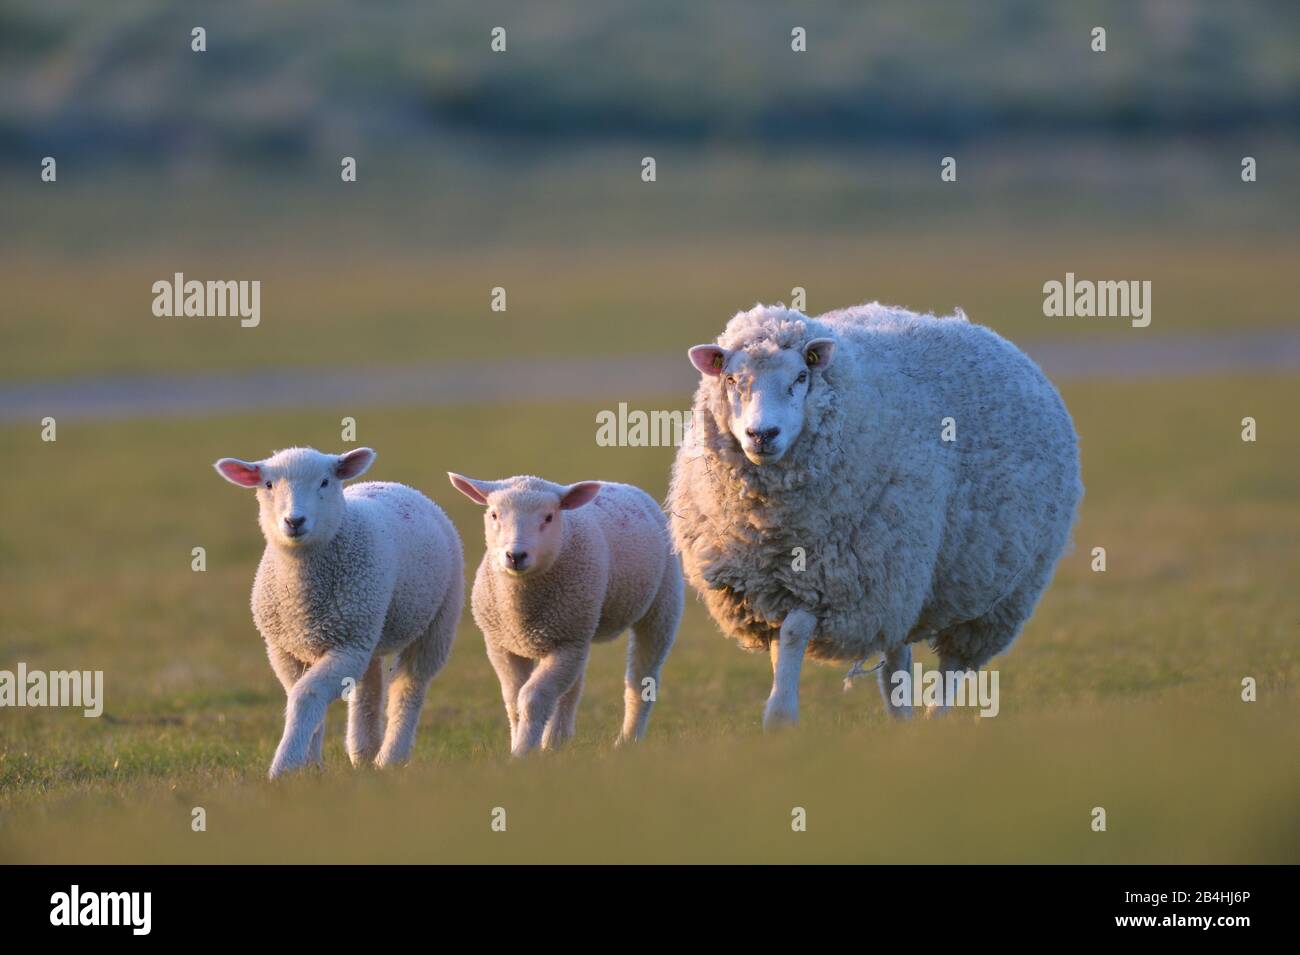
[433, 306]
[1124, 691]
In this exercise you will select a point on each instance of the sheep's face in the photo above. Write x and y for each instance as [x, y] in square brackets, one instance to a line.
[764, 392]
[299, 492]
[523, 523]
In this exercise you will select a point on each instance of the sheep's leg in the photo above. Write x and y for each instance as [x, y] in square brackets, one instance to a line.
[289, 670]
[563, 722]
[950, 667]
[308, 700]
[553, 676]
[896, 682]
[366, 715]
[787, 662]
[417, 665]
[513, 672]
[647, 649]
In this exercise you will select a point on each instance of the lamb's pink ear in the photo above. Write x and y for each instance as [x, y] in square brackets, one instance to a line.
[354, 464]
[818, 352]
[243, 473]
[709, 359]
[576, 495]
[476, 491]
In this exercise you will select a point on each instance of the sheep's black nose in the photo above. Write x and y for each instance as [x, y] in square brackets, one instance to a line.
[295, 522]
[765, 436]
[516, 558]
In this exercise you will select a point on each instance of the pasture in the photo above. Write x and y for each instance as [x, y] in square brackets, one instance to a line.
[1124, 691]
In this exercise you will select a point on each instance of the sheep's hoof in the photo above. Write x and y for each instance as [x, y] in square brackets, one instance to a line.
[280, 770]
[777, 716]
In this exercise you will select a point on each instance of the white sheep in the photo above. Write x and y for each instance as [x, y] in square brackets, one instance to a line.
[566, 567]
[866, 479]
[347, 578]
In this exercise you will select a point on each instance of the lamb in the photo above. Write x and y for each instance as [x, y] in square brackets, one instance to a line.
[867, 479]
[349, 577]
[567, 566]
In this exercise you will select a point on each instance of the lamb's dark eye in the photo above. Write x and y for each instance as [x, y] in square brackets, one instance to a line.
[325, 483]
[268, 484]
[803, 376]
[731, 380]
[492, 514]
[549, 518]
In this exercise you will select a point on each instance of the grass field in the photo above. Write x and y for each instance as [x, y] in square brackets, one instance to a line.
[590, 301]
[1124, 691]
[774, 170]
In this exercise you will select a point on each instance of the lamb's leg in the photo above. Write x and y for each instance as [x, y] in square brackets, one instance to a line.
[563, 722]
[512, 672]
[550, 680]
[308, 700]
[787, 662]
[366, 715]
[289, 670]
[647, 649]
[417, 665]
[896, 682]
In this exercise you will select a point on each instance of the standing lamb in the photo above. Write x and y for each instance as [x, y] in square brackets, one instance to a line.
[566, 566]
[348, 577]
[867, 479]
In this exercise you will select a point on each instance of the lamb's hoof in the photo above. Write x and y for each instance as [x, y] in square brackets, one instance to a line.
[362, 760]
[388, 760]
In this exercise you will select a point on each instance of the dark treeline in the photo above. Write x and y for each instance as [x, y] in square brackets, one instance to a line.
[295, 78]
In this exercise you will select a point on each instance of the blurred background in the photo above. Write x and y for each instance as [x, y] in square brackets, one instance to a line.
[522, 170]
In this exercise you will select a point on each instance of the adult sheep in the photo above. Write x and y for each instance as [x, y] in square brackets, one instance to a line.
[347, 578]
[866, 479]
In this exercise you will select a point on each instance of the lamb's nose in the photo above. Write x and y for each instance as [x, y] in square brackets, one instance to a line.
[762, 436]
[295, 523]
[516, 558]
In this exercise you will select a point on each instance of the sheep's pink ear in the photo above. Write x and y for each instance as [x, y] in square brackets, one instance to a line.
[476, 491]
[818, 352]
[354, 464]
[243, 473]
[709, 359]
[576, 495]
